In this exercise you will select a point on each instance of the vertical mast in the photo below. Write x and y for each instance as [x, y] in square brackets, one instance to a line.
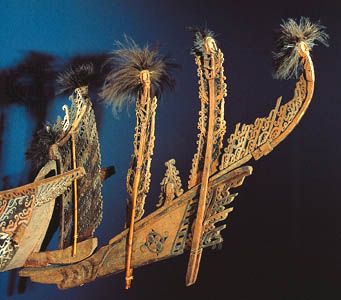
[212, 90]
[138, 178]
[137, 75]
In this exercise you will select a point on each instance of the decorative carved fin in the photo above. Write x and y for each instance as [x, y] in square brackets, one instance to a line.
[258, 139]
[218, 208]
[171, 186]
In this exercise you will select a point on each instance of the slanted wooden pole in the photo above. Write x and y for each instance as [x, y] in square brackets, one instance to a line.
[210, 48]
[75, 196]
[196, 250]
[145, 99]
[129, 270]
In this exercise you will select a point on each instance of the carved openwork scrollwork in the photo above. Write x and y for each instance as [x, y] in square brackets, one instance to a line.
[217, 211]
[171, 186]
[155, 242]
[90, 203]
[145, 129]
[7, 249]
[209, 66]
[259, 138]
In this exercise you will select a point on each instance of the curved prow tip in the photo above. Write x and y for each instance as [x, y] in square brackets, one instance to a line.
[294, 42]
[292, 59]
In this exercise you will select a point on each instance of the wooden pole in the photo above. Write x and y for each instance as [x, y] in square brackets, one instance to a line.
[196, 250]
[129, 270]
[145, 98]
[75, 196]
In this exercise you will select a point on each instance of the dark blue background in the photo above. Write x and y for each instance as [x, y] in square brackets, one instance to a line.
[283, 238]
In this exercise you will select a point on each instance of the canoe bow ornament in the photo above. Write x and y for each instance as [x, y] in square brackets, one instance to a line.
[185, 220]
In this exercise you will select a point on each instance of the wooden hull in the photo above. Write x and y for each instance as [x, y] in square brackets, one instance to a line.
[63, 256]
[25, 214]
[33, 236]
[161, 235]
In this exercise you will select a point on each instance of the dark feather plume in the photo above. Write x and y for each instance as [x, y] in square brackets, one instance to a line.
[286, 58]
[122, 84]
[75, 77]
[199, 39]
[38, 151]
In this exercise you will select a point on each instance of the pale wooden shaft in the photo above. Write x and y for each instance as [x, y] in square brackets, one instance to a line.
[195, 254]
[75, 191]
[140, 158]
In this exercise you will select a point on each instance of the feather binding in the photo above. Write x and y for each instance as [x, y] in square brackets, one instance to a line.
[286, 57]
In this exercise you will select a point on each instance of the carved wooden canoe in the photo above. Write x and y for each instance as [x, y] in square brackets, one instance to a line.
[167, 232]
[25, 214]
[163, 234]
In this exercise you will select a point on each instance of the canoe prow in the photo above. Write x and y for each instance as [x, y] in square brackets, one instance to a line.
[25, 214]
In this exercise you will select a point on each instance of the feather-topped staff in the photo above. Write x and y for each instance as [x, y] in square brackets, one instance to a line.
[291, 34]
[138, 74]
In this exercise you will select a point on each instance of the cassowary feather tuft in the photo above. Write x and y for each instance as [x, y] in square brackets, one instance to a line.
[38, 151]
[122, 84]
[75, 77]
[286, 57]
[199, 39]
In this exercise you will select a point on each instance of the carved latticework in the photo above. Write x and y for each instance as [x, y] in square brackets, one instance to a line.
[258, 139]
[144, 139]
[17, 206]
[16, 210]
[209, 66]
[80, 119]
[183, 236]
[171, 186]
[217, 211]
[50, 190]
[7, 249]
